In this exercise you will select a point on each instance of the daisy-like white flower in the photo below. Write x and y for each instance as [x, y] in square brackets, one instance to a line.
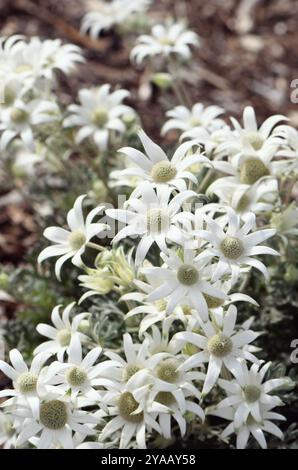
[251, 140]
[37, 59]
[208, 138]
[26, 381]
[133, 414]
[185, 119]
[181, 282]
[63, 332]
[250, 392]
[251, 426]
[18, 120]
[57, 420]
[12, 90]
[156, 167]
[219, 346]
[165, 40]
[72, 244]
[99, 113]
[78, 374]
[257, 198]
[152, 217]
[112, 14]
[235, 246]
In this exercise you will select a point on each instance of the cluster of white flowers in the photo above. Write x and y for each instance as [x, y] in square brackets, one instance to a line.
[189, 342]
[27, 101]
[204, 252]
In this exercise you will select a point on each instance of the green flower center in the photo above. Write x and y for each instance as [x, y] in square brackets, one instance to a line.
[161, 305]
[187, 275]
[9, 96]
[252, 170]
[167, 370]
[63, 337]
[129, 371]
[255, 140]
[76, 239]
[157, 220]
[53, 414]
[163, 171]
[251, 393]
[18, 116]
[165, 398]
[100, 117]
[232, 247]
[127, 405]
[220, 345]
[27, 382]
[166, 41]
[76, 376]
[243, 203]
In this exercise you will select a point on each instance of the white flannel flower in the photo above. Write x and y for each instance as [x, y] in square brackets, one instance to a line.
[133, 413]
[185, 119]
[257, 198]
[219, 346]
[250, 392]
[72, 244]
[152, 217]
[26, 381]
[181, 282]
[155, 166]
[98, 114]
[109, 15]
[209, 138]
[36, 59]
[251, 426]
[58, 419]
[165, 40]
[251, 141]
[19, 120]
[78, 375]
[63, 332]
[234, 246]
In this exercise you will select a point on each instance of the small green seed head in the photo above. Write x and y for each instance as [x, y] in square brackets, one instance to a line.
[129, 371]
[18, 116]
[187, 275]
[100, 117]
[27, 382]
[63, 337]
[167, 370]
[251, 393]
[165, 398]
[163, 172]
[157, 220]
[53, 414]
[232, 247]
[127, 405]
[76, 239]
[220, 345]
[76, 376]
[252, 170]
[213, 302]
[9, 96]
